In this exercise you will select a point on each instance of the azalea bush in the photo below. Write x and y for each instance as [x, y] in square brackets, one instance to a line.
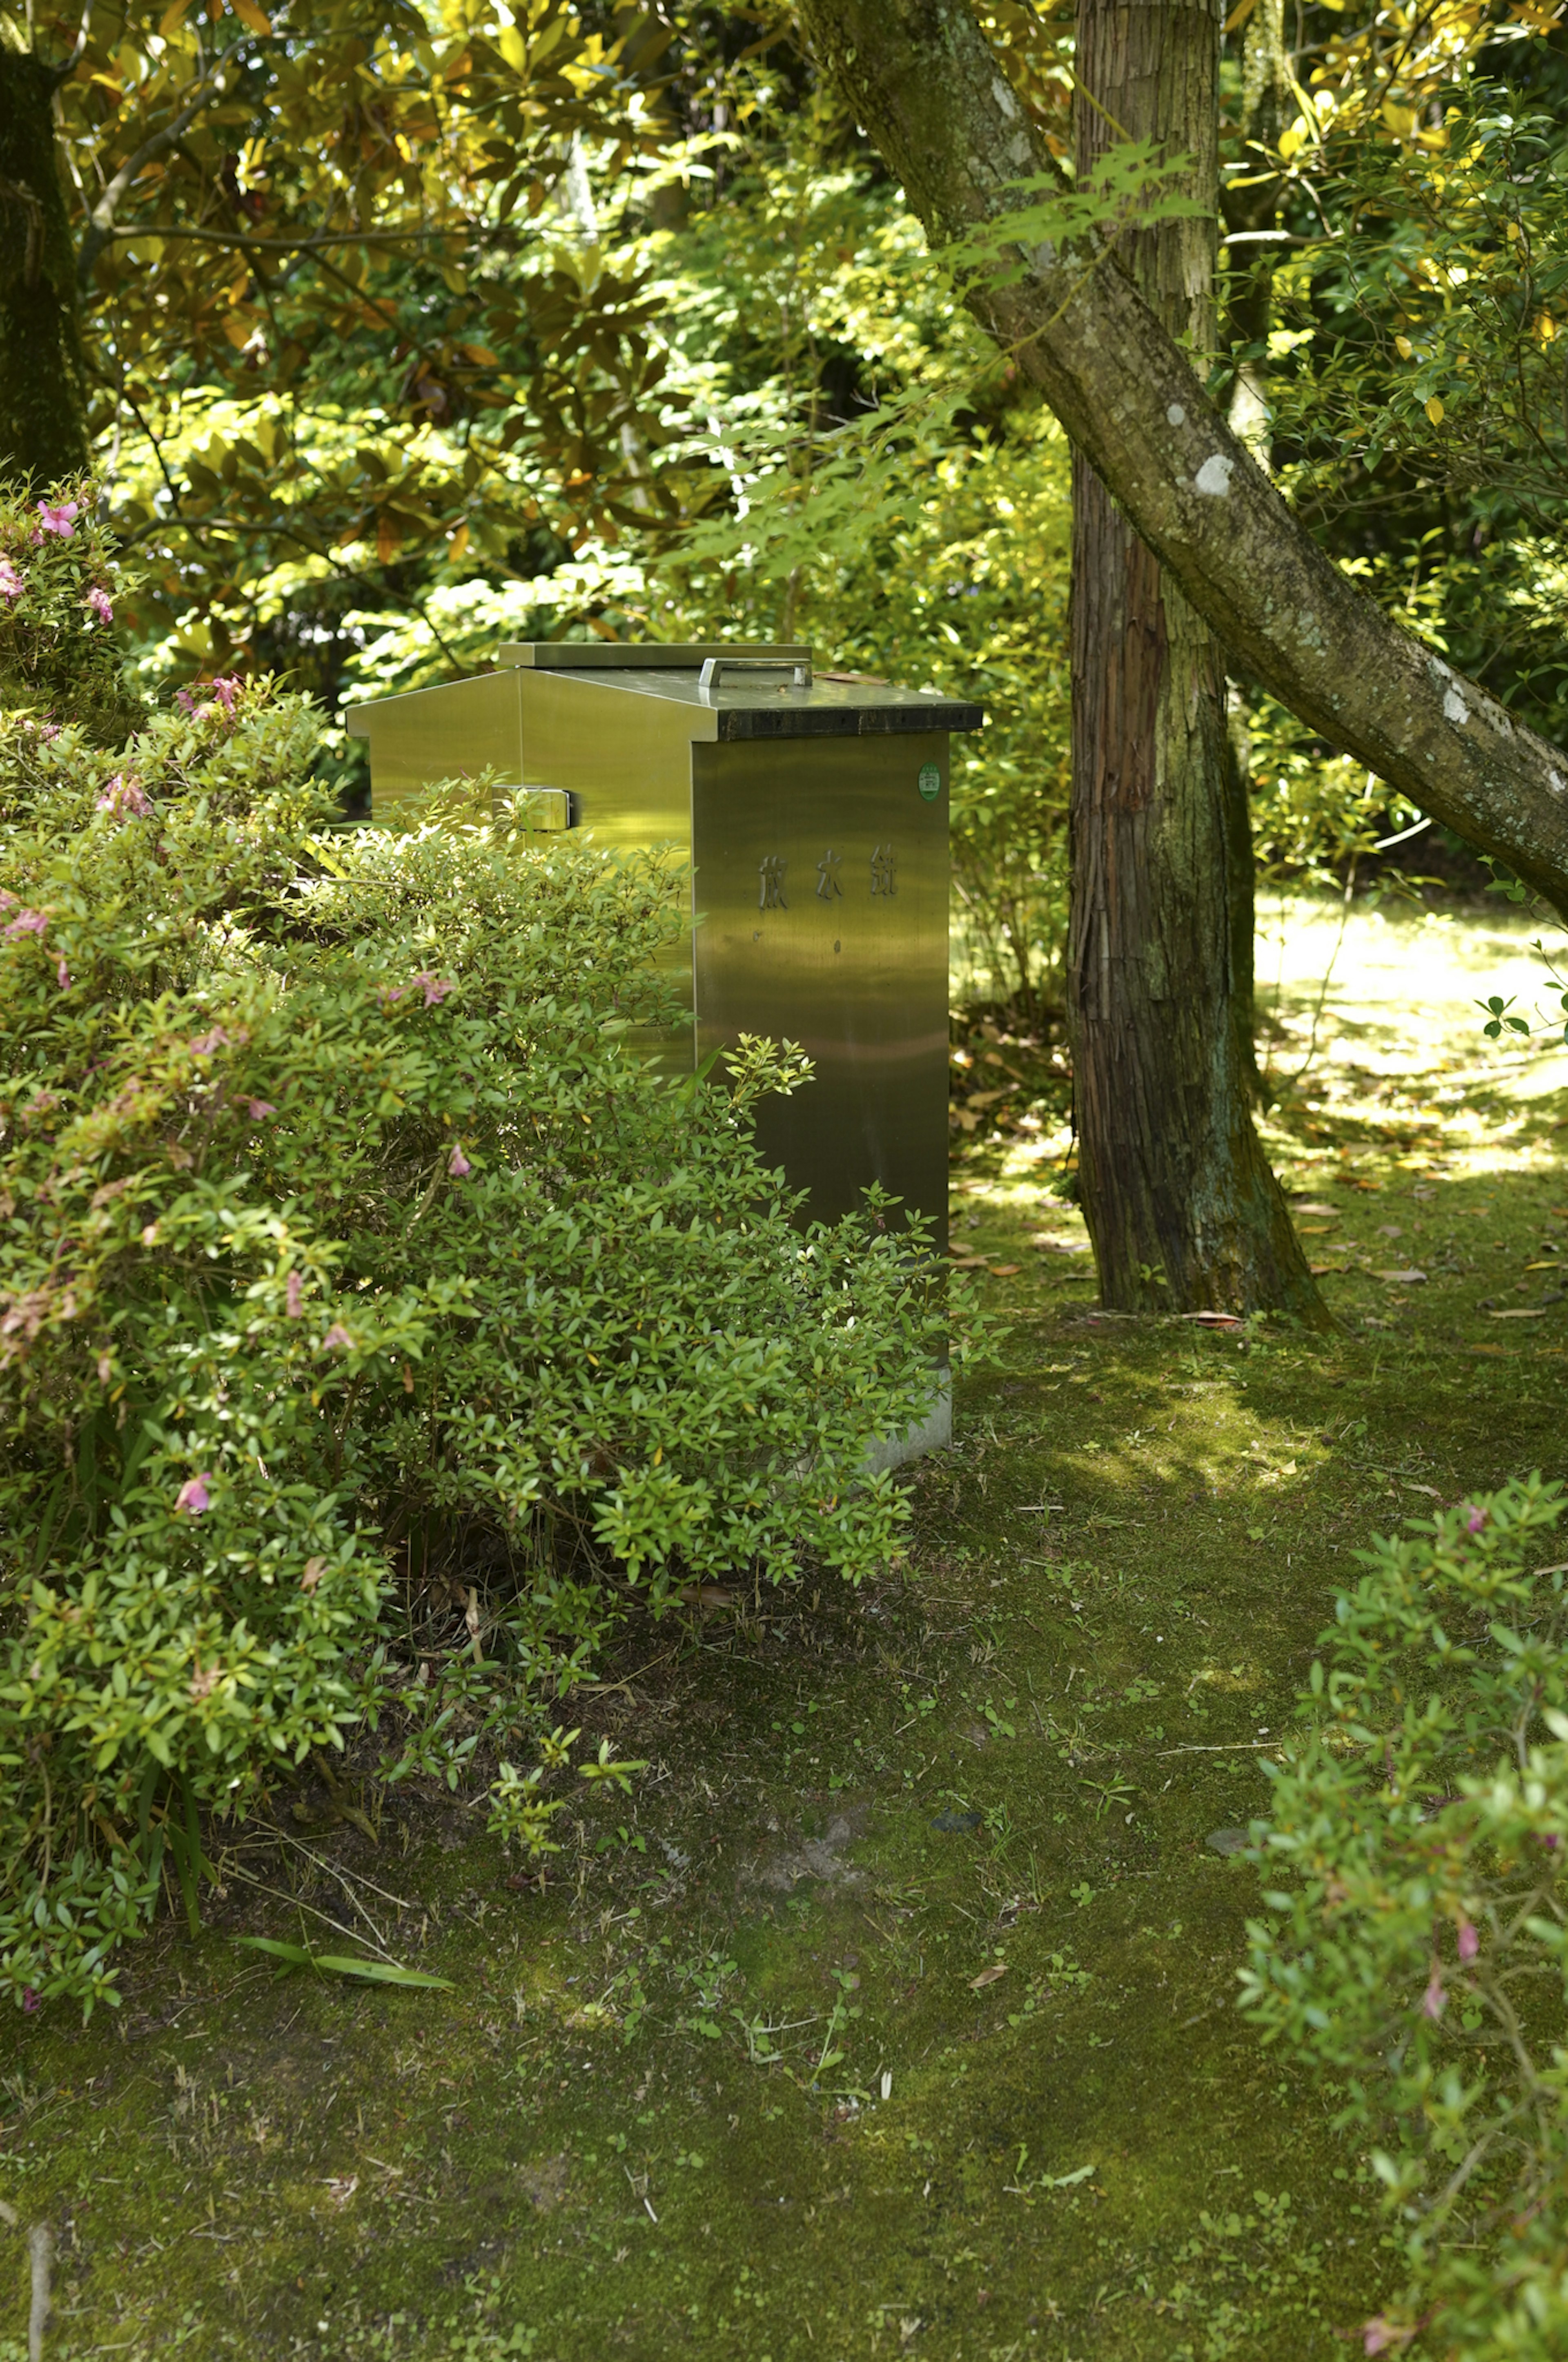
[57, 582]
[1417, 1946]
[374, 1314]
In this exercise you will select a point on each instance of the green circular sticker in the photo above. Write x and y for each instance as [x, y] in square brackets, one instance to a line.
[930, 782]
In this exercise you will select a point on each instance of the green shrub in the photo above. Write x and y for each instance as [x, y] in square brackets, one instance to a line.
[355, 1261]
[1420, 1952]
[58, 586]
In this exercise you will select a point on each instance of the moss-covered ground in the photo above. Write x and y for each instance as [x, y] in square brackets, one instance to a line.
[895, 2013]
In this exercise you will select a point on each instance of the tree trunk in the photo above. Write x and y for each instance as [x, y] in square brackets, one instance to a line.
[1183, 1210]
[922, 79]
[1250, 201]
[43, 421]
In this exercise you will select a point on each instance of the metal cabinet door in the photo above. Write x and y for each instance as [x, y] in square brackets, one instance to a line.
[820, 890]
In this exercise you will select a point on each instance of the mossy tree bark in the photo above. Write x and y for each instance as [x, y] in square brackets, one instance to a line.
[1182, 1207]
[921, 77]
[43, 409]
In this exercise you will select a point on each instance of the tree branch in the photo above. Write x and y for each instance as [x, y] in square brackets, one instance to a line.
[921, 77]
[101, 221]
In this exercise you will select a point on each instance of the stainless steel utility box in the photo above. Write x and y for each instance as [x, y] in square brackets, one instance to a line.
[813, 809]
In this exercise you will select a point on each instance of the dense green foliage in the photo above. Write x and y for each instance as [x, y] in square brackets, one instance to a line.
[363, 1283]
[1421, 1950]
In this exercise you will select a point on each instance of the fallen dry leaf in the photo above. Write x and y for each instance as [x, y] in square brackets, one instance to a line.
[1405, 1278]
[1005, 1270]
[988, 1975]
[1539, 1313]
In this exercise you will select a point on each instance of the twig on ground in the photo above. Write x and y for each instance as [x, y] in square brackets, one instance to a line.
[40, 2256]
[294, 1903]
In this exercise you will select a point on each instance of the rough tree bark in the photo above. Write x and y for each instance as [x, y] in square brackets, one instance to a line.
[1182, 1207]
[43, 409]
[923, 81]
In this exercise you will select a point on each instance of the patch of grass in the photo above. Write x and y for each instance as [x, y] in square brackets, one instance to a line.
[894, 2013]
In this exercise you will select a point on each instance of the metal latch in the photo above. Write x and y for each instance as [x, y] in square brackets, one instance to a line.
[716, 666]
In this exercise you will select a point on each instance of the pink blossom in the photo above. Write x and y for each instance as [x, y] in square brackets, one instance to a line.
[1434, 2001]
[388, 994]
[260, 1109]
[226, 695]
[62, 973]
[57, 517]
[30, 1999]
[98, 602]
[459, 1165]
[294, 1296]
[11, 583]
[434, 991]
[203, 1044]
[27, 923]
[1378, 2334]
[193, 1495]
[337, 1335]
[124, 799]
[1475, 1520]
[1469, 1941]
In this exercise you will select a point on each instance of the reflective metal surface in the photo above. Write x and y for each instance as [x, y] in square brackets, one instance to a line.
[821, 892]
[814, 813]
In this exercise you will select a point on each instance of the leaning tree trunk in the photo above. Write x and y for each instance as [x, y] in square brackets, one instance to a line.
[930, 91]
[1181, 1206]
[43, 427]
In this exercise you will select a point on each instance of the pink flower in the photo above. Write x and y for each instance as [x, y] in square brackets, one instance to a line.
[459, 1165]
[1377, 2336]
[27, 923]
[193, 1496]
[226, 695]
[1434, 2001]
[98, 602]
[260, 1109]
[337, 1335]
[62, 973]
[124, 799]
[30, 1999]
[1475, 1520]
[1469, 1941]
[435, 991]
[11, 583]
[203, 1044]
[57, 518]
[294, 1296]
[389, 994]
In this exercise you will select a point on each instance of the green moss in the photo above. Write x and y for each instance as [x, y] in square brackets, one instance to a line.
[620, 2134]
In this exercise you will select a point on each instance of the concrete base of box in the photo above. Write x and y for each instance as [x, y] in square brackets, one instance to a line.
[932, 1433]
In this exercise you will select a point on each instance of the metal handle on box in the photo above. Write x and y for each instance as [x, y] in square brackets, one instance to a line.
[716, 666]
